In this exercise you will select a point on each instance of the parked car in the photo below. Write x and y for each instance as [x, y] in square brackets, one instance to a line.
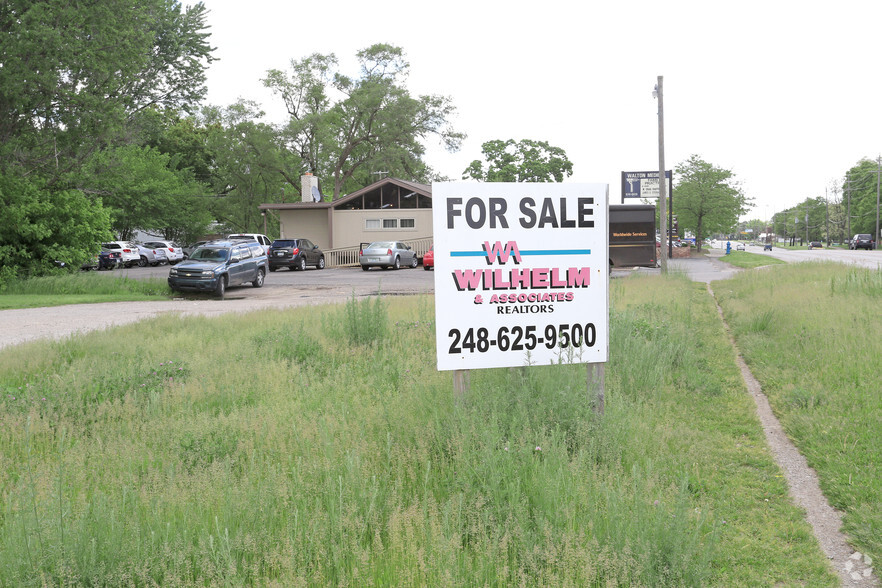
[386, 254]
[173, 252]
[740, 247]
[218, 265]
[188, 249]
[151, 256]
[262, 239]
[105, 259]
[429, 259]
[295, 254]
[862, 241]
[128, 251]
[815, 245]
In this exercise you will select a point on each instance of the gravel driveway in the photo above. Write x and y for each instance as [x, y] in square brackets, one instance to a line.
[282, 289]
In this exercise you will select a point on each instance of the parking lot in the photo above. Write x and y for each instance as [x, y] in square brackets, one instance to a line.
[326, 283]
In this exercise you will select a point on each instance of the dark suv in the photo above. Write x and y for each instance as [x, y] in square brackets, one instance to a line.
[295, 254]
[215, 266]
[862, 241]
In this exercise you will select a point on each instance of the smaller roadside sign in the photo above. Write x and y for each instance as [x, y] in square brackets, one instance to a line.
[643, 184]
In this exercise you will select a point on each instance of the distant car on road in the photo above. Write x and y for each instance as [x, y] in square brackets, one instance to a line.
[862, 241]
[386, 254]
[740, 247]
[816, 245]
[767, 247]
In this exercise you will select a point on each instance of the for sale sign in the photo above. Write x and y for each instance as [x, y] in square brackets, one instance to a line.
[521, 274]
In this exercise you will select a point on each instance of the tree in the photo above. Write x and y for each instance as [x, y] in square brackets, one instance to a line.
[707, 199]
[251, 165]
[38, 226]
[860, 196]
[344, 127]
[73, 73]
[522, 161]
[143, 192]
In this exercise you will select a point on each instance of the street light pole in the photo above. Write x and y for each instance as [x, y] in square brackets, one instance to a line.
[662, 180]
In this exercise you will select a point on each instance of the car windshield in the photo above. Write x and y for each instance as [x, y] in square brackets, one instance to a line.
[381, 245]
[210, 254]
[284, 243]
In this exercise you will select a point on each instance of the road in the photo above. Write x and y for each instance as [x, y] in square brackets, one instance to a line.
[861, 257]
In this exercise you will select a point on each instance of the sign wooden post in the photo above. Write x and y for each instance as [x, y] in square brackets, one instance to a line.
[461, 384]
[597, 386]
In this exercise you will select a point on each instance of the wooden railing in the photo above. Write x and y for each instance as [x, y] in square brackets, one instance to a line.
[348, 256]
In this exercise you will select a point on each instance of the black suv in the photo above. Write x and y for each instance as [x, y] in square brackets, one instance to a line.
[215, 266]
[295, 254]
[862, 241]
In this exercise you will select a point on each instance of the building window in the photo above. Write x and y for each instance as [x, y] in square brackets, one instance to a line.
[407, 223]
[372, 223]
[390, 223]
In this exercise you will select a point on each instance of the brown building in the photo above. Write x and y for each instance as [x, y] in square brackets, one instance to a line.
[389, 209]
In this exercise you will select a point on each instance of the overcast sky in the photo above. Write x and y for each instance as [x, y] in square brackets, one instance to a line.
[787, 95]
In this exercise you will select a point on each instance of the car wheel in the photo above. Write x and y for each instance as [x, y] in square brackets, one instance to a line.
[221, 287]
[415, 262]
[142, 262]
[397, 264]
[321, 263]
[302, 265]
[258, 281]
[364, 267]
[427, 267]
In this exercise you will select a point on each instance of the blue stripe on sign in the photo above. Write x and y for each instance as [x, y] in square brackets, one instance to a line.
[483, 253]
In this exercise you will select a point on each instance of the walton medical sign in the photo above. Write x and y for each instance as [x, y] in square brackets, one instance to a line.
[643, 184]
[521, 274]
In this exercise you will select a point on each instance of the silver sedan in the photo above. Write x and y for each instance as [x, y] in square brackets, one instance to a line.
[386, 254]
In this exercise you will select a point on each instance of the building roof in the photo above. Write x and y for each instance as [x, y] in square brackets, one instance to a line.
[421, 189]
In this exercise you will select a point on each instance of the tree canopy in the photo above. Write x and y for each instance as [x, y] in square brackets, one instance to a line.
[520, 161]
[347, 127]
[707, 199]
[74, 73]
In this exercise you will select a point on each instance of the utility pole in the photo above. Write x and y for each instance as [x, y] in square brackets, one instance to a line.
[826, 218]
[662, 180]
[848, 209]
[878, 173]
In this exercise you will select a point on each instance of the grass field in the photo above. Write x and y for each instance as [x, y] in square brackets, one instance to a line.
[78, 288]
[810, 335]
[321, 447]
[746, 260]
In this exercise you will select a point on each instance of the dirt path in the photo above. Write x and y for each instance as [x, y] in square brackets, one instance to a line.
[854, 569]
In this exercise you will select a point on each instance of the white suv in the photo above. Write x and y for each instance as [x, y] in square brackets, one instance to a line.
[129, 252]
[173, 252]
[262, 239]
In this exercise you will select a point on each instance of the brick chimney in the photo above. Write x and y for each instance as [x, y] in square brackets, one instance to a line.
[309, 187]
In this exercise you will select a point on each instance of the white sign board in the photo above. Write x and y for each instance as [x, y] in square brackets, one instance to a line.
[521, 273]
